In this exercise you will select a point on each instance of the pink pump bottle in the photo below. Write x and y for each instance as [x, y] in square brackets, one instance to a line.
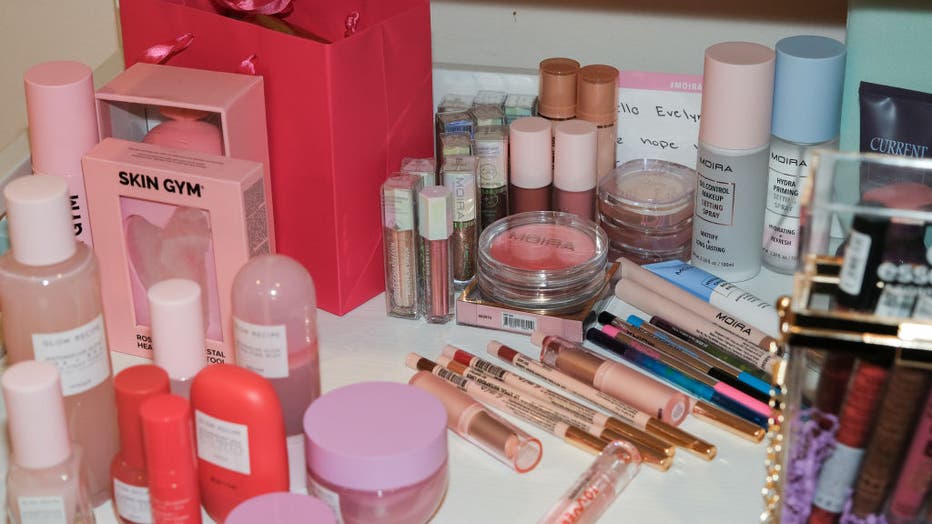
[275, 330]
[50, 298]
[46, 481]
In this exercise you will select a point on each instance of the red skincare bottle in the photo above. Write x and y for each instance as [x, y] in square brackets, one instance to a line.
[133, 386]
[240, 430]
[168, 437]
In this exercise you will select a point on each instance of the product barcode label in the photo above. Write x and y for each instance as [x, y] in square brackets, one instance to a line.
[518, 322]
[490, 368]
[449, 376]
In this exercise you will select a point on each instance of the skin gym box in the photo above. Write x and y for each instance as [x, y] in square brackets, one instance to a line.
[191, 109]
[166, 213]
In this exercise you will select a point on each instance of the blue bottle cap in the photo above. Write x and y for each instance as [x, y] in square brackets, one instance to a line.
[808, 83]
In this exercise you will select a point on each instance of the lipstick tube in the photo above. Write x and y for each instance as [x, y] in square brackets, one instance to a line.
[487, 431]
[435, 225]
[594, 490]
[612, 378]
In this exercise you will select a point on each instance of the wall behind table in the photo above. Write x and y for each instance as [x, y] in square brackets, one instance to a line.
[647, 35]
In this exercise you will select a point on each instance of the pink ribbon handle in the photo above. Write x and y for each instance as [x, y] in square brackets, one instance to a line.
[280, 8]
[160, 53]
[248, 66]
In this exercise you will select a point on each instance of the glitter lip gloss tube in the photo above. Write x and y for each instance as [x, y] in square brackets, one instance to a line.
[597, 487]
[459, 175]
[435, 225]
[399, 219]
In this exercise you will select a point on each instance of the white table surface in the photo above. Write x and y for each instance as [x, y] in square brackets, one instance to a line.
[367, 345]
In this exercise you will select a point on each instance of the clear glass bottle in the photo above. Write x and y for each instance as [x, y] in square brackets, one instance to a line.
[50, 298]
[275, 331]
[45, 482]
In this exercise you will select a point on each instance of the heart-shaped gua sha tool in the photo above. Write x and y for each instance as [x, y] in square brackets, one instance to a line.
[178, 250]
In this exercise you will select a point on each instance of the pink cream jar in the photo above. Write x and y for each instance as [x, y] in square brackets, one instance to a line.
[377, 453]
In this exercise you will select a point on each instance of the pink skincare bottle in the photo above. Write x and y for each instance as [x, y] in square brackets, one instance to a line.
[377, 453]
[177, 331]
[575, 168]
[281, 508]
[50, 298]
[275, 330]
[531, 178]
[46, 478]
[186, 129]
[62, 117]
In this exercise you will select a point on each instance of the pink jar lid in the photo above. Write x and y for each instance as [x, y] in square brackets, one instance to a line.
[375, 435]
[281, 508]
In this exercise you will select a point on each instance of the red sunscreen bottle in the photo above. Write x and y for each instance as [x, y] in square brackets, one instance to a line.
[240, 432]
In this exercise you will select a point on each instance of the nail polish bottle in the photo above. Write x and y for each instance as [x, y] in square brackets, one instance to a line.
[575, 168]
[531, 177]
[734, 141]
[46, 479]
[435, 225]
[134, 385]
[50, 298]
[275, 330]
[597, 102]
[808, 82]
[62, 116]
[177, 321]
[168, 439]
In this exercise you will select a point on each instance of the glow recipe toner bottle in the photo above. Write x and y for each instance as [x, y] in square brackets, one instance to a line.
[50, 298]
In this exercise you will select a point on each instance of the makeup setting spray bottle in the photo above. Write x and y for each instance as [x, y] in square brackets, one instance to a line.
[734, 141]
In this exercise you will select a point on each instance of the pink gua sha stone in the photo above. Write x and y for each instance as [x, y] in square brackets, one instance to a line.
[178, 250]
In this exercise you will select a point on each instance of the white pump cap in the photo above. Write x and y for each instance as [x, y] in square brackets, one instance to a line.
[177, 327]
[39, 215]
[36, 412]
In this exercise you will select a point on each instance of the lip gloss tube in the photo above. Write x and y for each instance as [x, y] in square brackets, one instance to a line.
[459, 175]
[531, 165]
[612, 378]
[487, 431]
[435, 225]
[399, 219]
[575, 170]
[594, 490]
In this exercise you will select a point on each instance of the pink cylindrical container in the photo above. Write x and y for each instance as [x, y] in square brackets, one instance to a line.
[646, 209]
[62, 118]
[575, 167]
[177, 331]
[281, 508]
[531, 161]
[377, 453]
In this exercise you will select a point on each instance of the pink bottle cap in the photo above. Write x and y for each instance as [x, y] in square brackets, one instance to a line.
[36, 413]
[177, 327]
[39, 216]
[531, 161]
[737, 95]
[375, 436]
[281, 508]
[575, 161]
[62, 116]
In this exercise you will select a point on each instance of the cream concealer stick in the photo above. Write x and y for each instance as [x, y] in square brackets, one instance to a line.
[625, 412]
[575, 412]
[534, 412]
